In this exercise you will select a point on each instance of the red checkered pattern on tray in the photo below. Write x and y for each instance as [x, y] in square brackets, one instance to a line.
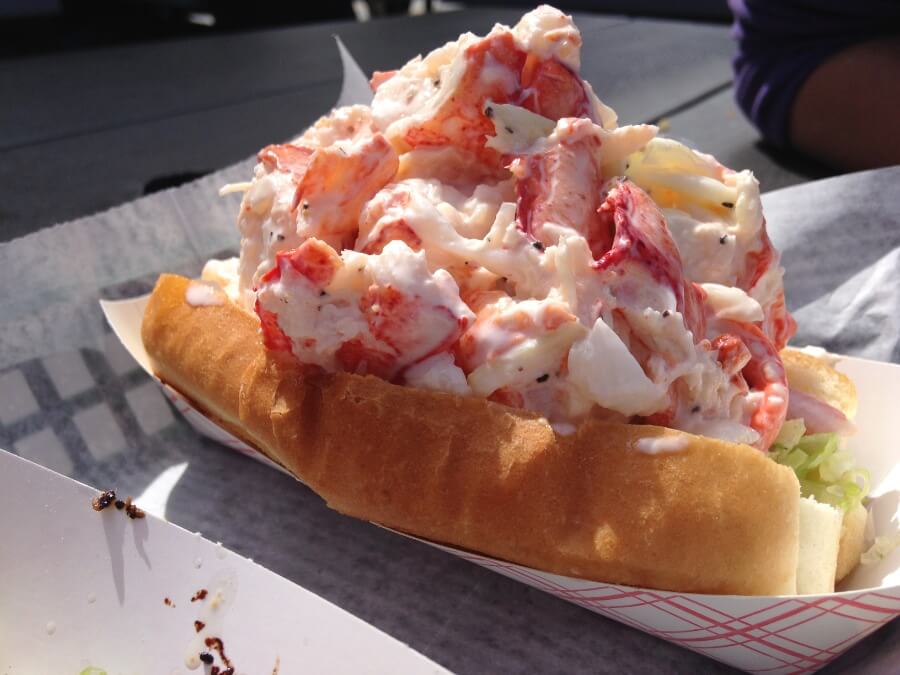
[772, 634]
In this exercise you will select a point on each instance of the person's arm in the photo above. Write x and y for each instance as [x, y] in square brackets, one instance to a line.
[848, 111]
[822, 76]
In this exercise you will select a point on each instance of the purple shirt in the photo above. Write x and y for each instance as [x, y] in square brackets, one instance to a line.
[781, 43]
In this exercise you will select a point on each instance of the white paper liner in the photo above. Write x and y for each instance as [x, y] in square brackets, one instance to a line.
[759, 634]
[99, 600]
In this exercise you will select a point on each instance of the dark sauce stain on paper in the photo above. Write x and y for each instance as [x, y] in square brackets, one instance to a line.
[108, 498]
[104, 499]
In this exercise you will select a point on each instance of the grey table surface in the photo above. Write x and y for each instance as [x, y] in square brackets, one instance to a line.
[85, 131]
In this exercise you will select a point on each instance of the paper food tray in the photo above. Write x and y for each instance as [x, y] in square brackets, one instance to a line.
[84, 589]
[759, 634]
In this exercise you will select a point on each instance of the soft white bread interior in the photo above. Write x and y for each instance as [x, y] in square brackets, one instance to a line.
[815, 377]
[853, 541]
[709, 517]
[820, 534]
[831, 543]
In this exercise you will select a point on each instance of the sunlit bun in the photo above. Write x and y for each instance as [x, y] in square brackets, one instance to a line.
[703, 516]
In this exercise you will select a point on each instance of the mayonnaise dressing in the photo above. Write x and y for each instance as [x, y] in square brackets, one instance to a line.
[603, 368]
[204, 294]
[378, 303]
[715, 216]
[225, 275]
[439, 373]
[518, 358]
[659, 445]
[728, 302]
[548, 33]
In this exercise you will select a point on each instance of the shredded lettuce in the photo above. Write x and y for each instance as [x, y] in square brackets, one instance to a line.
[824, 469]
[880, 550]
[791, 433]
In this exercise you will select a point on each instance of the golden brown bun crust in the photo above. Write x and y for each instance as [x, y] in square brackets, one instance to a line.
[711, 518]
[203, 354]
[816, 378]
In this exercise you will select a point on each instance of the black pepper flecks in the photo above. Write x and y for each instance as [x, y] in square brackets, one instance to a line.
[538, 245]
[723, 239]
[509, 130]
[543, 378]
[206, 657]
[695, 409]
[280, 237]
[199, 625]
[322, 294]
[728, 205]
[103, 500]
[305, 205]
[666, 313]
[120, 504]
[489, 112]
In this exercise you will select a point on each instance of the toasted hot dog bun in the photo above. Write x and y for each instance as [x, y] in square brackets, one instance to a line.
[816, 378]
[706, 516]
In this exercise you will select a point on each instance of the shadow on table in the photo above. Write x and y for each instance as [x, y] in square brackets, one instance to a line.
[795, 161]
[172, 180]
